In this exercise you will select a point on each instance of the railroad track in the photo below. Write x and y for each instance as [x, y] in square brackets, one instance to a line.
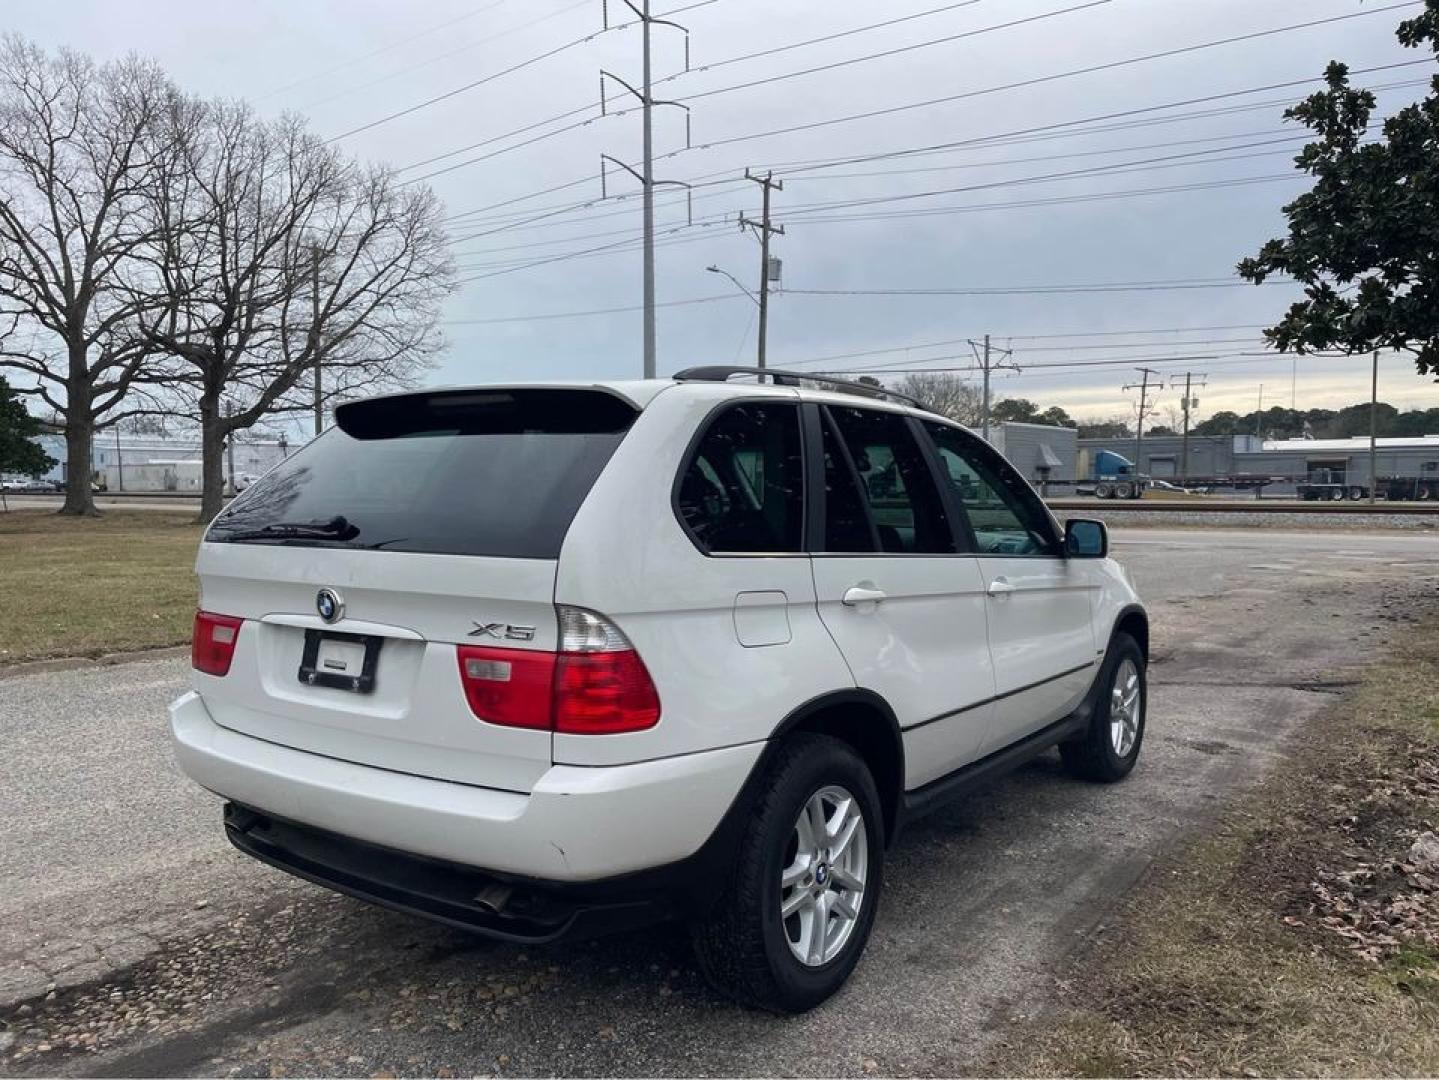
[1247, 506]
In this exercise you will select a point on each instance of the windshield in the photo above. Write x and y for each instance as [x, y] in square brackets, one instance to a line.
[497, 473]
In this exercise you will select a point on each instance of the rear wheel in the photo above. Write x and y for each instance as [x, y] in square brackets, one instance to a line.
[1102, 490]
[1425, 493]
[1109, 747]
[1122, 490]
[1336, 495]
[790, 923]
[1356, 493]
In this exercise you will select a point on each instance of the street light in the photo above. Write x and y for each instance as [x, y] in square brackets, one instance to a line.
[737, 285]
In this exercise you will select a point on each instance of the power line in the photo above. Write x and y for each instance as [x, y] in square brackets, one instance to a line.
[1042, 79]
[727, 61]
[548, 315]
[382, 49]
[1035, 81]
[444, 56]
[1061, 200]
[1118, 167]
[896, 51]
[435, 100]
[1042, 290]
[1050, 130]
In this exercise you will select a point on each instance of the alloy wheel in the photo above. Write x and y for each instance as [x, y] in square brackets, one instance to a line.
[1124, 707]
[823, 881]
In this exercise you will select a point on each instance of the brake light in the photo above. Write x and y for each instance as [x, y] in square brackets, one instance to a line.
[212, 647]
[511, 687]
[595, 685]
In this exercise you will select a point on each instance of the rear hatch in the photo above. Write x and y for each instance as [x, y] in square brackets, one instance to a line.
[420, 523]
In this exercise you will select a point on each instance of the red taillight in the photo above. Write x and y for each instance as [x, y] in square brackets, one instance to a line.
[213, 645]
[508, 686]
[595, 685]
[604, 693]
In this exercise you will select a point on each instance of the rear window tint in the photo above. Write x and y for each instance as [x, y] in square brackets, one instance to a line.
[480, 472]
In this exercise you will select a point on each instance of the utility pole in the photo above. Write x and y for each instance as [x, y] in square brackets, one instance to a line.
[1143, 388]
[1188, 403]
[119, 461]
[983, 354]
[315, 334]
[763, 228]
[1374, 429]
[645, 174]
[1259, 415]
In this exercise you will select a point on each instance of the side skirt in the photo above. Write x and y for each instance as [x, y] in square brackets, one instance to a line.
[976, 774]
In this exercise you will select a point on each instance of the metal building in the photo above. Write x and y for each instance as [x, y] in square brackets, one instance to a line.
[1043, 453]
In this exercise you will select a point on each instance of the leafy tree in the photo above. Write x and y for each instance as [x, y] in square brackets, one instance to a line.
[19, 453]
[1364, 241]
[1056, 417]
[1161, 429]
[1105, 429]
[1016, 410]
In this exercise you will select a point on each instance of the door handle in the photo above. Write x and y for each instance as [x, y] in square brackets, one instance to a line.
[861, 594]
[1000, 587]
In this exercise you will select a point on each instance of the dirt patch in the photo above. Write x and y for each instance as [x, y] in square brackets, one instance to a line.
[1296, 936]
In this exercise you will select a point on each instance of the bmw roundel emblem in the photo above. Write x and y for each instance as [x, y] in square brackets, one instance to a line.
[329, 605]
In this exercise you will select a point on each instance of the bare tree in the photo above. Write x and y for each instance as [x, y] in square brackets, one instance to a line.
[79, 142]
[281, 258]
[946, 393]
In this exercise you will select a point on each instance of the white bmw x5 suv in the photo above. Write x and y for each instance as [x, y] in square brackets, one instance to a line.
[543, 660]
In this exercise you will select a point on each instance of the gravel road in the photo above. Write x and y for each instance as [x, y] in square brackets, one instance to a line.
[133, 941]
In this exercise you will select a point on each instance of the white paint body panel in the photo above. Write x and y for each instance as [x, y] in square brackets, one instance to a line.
[734, 645]
[574, 825]
[923, 649]
[1040, 631]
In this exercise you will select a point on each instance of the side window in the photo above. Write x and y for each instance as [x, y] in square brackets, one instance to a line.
[743, 489]
[894, 483]
[1006, 516]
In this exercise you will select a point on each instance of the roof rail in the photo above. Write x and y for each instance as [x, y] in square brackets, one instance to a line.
[723, 372]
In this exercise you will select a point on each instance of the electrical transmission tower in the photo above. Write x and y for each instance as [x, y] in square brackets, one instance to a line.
[1143, 388]
[645, 174]
[763, 228]
[984, 354]
[1189, 402]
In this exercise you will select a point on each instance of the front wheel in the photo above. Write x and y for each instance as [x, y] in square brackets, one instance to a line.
[1109, 747]
[790, 923]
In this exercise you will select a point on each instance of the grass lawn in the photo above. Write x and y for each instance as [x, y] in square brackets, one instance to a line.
[86, 586]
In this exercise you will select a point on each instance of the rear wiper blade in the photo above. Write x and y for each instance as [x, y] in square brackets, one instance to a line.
[337, 528]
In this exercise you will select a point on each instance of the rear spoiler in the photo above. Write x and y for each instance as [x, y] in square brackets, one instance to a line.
[485, 410]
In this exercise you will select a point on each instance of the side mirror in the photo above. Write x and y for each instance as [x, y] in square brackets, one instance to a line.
[1085, 539]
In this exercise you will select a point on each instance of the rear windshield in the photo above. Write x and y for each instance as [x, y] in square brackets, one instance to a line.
[458, 473]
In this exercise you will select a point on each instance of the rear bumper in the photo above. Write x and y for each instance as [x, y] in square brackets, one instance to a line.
[458, 896]
[578, 824]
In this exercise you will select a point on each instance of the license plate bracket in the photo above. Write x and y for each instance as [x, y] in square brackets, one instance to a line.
[332, 659]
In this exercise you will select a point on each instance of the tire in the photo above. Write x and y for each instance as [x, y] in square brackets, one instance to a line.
[1424, 494]
[1102, 490]
[1122, 490]
[1336, 495]
[743, 945]
[1356, 493]
[1094, 755]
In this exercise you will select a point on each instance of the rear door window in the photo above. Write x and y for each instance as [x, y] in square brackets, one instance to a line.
[482, 472]
[742, 490]
[895, 482]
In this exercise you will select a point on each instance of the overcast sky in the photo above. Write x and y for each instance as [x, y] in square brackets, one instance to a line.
[348, 64]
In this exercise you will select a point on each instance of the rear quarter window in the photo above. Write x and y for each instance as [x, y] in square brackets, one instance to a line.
[482, 472]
